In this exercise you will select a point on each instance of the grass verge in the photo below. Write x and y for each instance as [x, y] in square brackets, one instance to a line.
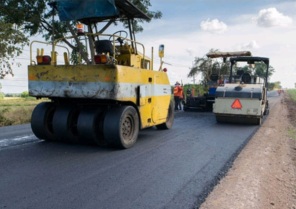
[16, 110]
[291, 105]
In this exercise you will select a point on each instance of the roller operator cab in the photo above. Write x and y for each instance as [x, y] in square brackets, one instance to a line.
[110, 92]
[244, 98]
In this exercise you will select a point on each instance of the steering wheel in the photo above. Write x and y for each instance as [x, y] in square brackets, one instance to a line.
[121, 38]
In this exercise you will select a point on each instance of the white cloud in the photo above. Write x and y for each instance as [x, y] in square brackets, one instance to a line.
[271, 17]
[248, 46]
[213, 26]
[8, 77]
[190, 52]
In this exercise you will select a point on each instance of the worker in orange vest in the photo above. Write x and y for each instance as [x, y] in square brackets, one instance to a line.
[178, 95]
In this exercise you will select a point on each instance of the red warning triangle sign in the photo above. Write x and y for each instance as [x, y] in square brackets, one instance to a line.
[236, 104]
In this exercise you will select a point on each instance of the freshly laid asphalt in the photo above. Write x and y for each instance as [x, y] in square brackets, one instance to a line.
[174, 168]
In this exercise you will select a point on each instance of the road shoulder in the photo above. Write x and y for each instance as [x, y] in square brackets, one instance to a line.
[263, 175]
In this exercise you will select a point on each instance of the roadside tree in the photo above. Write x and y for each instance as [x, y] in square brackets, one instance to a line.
[39, 17]
[12, 41]
[207, 66]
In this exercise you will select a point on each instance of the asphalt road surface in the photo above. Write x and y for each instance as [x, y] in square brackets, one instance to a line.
[174, 168]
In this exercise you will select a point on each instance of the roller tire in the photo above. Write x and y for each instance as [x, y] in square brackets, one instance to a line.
[240, 120]
[65, 124]
[41, 121]
[121, 126]
[90, 126]
[266, 111]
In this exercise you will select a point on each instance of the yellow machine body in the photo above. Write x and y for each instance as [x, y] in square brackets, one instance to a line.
[149, 91]
[108, 90]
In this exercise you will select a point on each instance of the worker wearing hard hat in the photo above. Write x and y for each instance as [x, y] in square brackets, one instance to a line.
[178, 95]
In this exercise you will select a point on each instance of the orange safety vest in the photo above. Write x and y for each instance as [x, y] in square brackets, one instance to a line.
[181, 94]
[178, 91]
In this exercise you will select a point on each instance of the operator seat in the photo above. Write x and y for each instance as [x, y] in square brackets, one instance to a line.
[104, 46]
[246, 78]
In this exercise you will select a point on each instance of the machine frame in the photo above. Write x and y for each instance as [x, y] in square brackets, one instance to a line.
[244, 98]
[107, 98]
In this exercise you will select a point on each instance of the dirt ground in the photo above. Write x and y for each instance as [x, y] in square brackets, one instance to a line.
[264, 174]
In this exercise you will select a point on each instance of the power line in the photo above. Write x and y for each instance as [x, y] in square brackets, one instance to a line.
[3, 80]
[15, 85]
[23, 58]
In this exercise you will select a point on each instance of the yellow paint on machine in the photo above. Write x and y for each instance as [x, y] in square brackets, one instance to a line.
[152, 100]
[154, 111]
[95, 73]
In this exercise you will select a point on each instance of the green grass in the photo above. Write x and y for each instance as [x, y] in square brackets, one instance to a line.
[16, 110]
[292, 97]
[292, 134]
[292, 94]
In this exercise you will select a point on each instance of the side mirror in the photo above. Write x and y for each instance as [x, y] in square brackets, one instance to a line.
[161, 51]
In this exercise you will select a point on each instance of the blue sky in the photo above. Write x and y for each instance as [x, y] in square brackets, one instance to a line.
[190, 28]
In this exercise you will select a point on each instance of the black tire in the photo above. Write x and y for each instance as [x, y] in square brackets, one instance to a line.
[65, 123]
[41, 120]
[90, 126]
[266, 111]
[170, 118]
[121, 126]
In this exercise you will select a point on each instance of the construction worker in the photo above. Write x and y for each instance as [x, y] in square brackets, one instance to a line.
[181, 97]
[178, 94]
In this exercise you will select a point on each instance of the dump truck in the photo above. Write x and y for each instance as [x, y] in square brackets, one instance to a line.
[205, 102]
[110, 92]
[244, 98]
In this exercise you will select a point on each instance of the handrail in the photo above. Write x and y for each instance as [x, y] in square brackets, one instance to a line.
[47, 43]
[107, 35]
[54, 45]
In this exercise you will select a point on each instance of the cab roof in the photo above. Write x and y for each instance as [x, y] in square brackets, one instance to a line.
[250, 59]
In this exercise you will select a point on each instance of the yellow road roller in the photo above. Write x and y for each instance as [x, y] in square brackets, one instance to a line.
[110, 91]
